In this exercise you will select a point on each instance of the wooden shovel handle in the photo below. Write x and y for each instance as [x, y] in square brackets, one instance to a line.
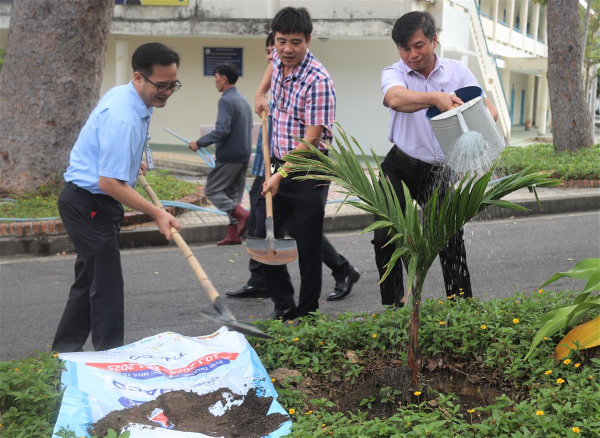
[189, 255]
[267, 159]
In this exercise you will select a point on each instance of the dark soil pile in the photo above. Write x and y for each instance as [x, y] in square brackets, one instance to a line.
[188, 412]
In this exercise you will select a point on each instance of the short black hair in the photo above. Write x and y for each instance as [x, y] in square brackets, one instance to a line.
[270, 40]
[228, 70]
[410, 23]
[292, 20]
[148, 55]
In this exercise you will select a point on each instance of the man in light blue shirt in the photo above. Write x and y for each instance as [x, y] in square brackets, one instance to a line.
[104, 165]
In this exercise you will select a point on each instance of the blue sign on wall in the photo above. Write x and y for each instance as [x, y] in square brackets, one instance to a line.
[214, 56]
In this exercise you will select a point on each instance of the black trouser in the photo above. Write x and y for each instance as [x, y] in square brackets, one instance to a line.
[302, 203]
[340, 267]
[421, 179]
[95, 300]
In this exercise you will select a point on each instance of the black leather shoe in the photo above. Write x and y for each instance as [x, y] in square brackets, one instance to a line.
[249, 292]
[284, 315]
[343, 288]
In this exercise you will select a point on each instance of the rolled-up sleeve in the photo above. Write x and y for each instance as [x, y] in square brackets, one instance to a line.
[391, 77]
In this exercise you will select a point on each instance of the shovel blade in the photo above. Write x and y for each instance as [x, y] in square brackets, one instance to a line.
[237, 326]
[272, 251]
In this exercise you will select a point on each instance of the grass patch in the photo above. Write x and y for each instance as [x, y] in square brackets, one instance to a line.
[483, 342]
[581, 164]
[43, 202]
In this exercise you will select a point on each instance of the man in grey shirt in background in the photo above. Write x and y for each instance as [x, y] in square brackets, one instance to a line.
[233, 138]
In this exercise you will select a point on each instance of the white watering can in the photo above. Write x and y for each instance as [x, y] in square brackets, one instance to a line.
[472, 115]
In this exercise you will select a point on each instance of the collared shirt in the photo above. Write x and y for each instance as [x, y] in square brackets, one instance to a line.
[304, 98]
[412, 132]
[233, 130]
[112, 140]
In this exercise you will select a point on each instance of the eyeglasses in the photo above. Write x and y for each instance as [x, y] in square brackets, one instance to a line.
[164, 88]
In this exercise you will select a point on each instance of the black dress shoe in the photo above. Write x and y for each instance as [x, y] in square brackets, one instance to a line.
[284, 315]
[249, 292]
[344, 287]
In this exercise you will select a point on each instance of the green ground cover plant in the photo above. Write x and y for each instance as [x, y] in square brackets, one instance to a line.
[581, 164]
[480, 341]
[43, 202]
[484, 341]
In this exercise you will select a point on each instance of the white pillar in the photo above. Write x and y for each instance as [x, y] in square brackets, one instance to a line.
[494, 23]
[529, 102]
[510, 22]
[524, 13]
[506, 82]
[122, 62]
[535, 16]
[543, 99]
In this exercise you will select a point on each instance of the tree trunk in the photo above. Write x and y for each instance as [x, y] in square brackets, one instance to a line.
[50, 82]
[572, 122]
[414, 354]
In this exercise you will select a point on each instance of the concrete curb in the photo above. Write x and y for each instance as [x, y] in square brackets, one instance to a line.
[207, 233]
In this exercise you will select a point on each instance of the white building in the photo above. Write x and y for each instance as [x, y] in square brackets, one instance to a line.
[502, 41]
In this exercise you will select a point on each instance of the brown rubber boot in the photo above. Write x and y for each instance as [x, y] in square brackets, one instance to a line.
[232, 237]
[241, 215]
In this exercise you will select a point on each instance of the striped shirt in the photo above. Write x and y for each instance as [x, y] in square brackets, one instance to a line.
[304, 98]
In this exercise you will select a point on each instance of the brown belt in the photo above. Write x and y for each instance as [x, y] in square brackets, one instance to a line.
[413, 161]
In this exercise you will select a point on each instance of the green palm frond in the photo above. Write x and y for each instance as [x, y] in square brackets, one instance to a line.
[418, 241]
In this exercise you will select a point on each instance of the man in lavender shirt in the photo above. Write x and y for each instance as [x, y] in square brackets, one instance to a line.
[420, 80]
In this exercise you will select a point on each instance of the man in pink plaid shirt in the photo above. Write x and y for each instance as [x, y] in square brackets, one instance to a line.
[303, 97]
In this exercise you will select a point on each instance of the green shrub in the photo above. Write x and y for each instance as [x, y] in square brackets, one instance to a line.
[581, 164]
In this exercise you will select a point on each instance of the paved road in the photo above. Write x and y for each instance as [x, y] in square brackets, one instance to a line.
[162, 293]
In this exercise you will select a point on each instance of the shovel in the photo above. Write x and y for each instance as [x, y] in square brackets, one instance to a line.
[224, 315]
[270, 251]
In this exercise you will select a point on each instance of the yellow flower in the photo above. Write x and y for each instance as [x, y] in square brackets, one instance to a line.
[567, 361]
[309, 412]
[539, 412]
[451, 296]
[559, 380]
[44, 201]
[16, 369]
[273, 380]
[440, 302]
[548, 372]
[55, 355]
[374, 335]
[251, 316]
[281, 339]
[292, 411]
[515, 321]
[442, 322]
[322, 343]
[323, 425]
[545, 338]
[577, 365]
[470, 411]
[591, 377]
[575, 429]
[541, 291]
[461, 293]
[483, 327]
[417, 393]
[296, 339]
[290, 322]
[373, 315]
